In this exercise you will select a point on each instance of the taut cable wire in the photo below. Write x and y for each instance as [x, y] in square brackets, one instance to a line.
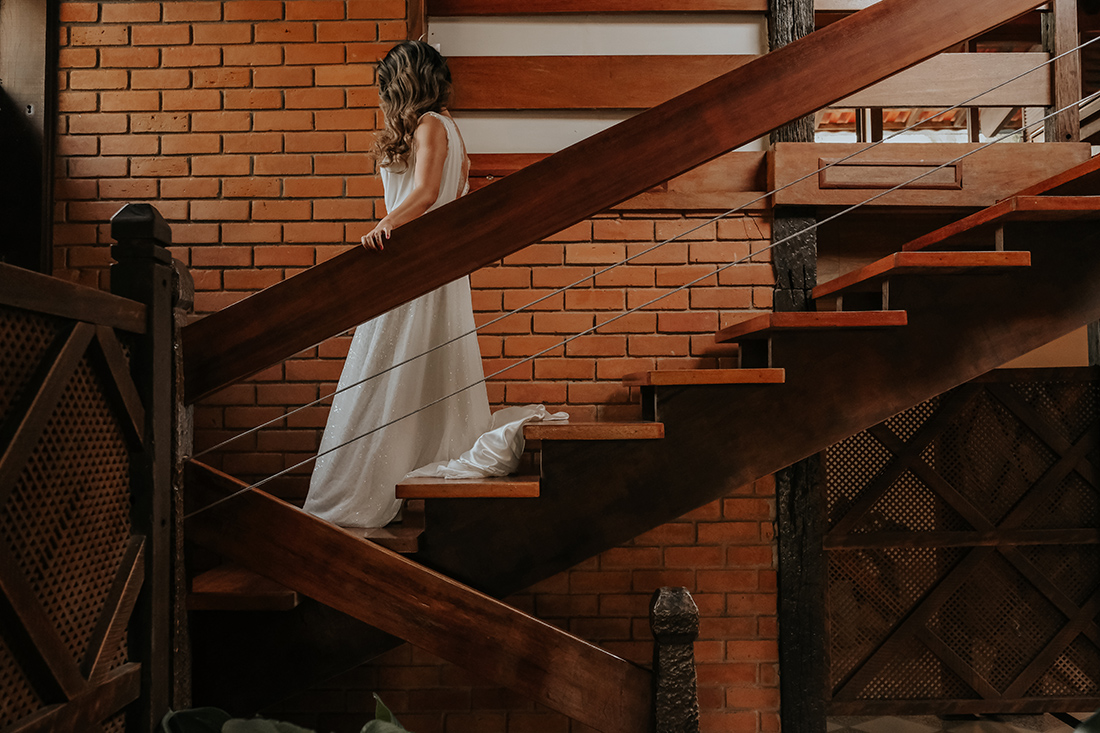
[636, 255]
[718, 269]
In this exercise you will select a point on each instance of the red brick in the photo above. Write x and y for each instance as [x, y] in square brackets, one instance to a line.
[315, 187]
[743, 227]
[560, 277]
[221, 165]
[593, 299]
[99, 36]
[314, 142]
[752, 650]
[535, 393]
[160, 79]
[744, 557]
[729, 673]
[79, 12]
[654, 345]
[283, 256]
[737, 532]
[190, 57]
[728, 580]
[221, 33]
[656, 299]
[622, 229]
[221, 78]
[193, 144]
[594, 345]
[546, 368]
[344, 75]
[193, 10]
[370, 53]
[313, 232]
[77, 101]
[314, 98]
[567, 323]
[693, 557]
[537, 254]
[602, 581]
[126, 188]
[77, 58]
[91, 210]
[221, 257]
[189, 188]
[102, 167]
[219, 211]
[159, 35]
[285, 120]
[626, 322]
[586, 253]
[618, 368]
[747, 508]
[315, 54]
[251, 279]
[670, 253]
[626, 276]
[280, 210]
[221, 121]
[529, 345]
[253, 55]
[533, 300]
[251, 187]
[253, 10]
[97, 79]
[258, 232]
[647, 581]
[598, 393]
[341, 164]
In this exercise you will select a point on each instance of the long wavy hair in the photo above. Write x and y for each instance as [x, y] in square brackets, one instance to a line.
[413, 79]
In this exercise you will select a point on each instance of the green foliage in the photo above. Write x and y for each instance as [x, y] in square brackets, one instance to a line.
[213, 720]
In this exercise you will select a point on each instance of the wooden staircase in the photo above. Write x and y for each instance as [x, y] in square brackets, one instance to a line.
[894, 334]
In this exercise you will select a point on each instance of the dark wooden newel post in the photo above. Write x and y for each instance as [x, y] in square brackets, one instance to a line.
[674, 619]
[144, 272]
[798, 489]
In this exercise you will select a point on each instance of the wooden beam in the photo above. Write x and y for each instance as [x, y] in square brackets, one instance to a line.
[975, 181]
[115, 615]
[443, 8]
[922, 263]
[1060, 36]
[581, 180]
[32, 291]
[85, 711]
[26, 420]
[580, 82]
[121, 384]
[32, 636]
[416, 24]
[953, 78]
[433, 612]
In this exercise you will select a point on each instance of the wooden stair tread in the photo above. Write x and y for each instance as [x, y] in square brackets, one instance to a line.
[1015, 208]
[567, 430]
[505, 487]
[397, 538]
[1082, 179]
[918, 263]
[766, 324]
[230, 587]
[676, 377]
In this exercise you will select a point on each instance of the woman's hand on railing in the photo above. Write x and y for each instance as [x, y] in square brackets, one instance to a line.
[376, 237]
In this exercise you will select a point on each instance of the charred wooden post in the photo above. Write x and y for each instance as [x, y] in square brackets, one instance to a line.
[798, 488]
[144, 272]
[1060, 35]
[674, 619]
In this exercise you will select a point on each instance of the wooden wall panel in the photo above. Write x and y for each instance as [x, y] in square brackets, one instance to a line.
[953, 78]
[734, 180]
[986, 176]
[581, 82]
[535, 7]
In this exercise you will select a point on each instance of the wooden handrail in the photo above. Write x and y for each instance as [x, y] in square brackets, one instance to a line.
[433, 612]
[581, 180]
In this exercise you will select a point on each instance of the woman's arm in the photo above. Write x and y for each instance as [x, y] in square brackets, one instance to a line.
[430, 139]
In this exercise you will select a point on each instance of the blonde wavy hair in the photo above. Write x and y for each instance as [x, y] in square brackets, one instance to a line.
[413, 79]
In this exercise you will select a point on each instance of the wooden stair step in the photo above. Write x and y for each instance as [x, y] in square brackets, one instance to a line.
[922, 263]
[230, 587]
[568, 430]
[677, 377]
[768, 324]
[1015, 208]
[394, 537]
[502, 487]
[1081, 180]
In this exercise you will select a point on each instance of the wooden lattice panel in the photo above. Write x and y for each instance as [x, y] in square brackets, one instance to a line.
[963, 569]
[70, 568]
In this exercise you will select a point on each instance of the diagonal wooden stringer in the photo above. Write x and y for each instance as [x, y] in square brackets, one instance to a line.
[429, 610]
[584, 179]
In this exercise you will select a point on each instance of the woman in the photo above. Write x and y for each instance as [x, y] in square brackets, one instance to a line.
[423, 163]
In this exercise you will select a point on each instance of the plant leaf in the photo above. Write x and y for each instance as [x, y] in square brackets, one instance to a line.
[384, 714]
[196, 720]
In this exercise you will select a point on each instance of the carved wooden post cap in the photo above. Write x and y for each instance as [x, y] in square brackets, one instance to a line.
[674, 618]
[673, 615]
[137, 224]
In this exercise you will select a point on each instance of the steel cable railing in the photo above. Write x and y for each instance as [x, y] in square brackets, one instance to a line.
[718, 269]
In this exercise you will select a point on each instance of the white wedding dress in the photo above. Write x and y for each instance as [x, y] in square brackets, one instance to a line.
[353, 485]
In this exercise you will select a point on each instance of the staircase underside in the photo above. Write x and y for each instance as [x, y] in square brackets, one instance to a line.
[597, 495]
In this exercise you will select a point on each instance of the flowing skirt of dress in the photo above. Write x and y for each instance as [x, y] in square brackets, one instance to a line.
[353, 486]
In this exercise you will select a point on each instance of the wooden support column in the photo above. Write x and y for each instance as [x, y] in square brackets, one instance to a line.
[798, 488]
[1059, 36]
[674, 619]
[143, 272]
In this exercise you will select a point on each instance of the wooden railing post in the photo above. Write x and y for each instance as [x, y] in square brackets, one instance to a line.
[674, 618]
[1059, 36]
[144, 272]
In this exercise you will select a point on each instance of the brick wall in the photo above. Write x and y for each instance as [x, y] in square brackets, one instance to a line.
[722, 552]
[246, 124]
